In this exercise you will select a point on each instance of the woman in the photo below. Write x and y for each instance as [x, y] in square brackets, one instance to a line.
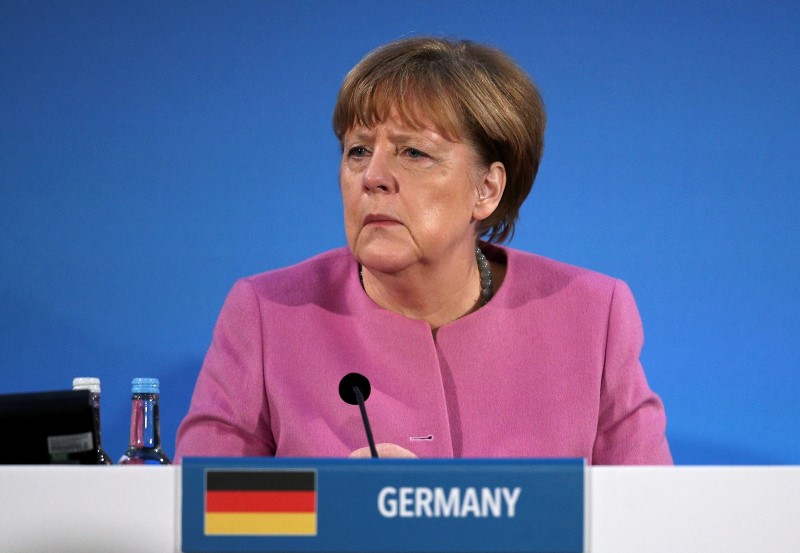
[472, 349]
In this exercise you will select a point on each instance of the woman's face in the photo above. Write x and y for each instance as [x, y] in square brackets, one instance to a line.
[410, 195]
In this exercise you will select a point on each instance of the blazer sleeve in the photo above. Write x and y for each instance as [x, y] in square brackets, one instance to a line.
[632, 422]
[229, 412]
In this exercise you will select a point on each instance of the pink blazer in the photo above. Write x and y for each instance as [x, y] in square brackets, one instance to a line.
[548, 368]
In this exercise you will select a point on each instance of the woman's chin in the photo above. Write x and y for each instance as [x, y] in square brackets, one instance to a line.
[386, 260]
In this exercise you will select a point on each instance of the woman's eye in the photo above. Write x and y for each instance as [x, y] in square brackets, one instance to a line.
[414, 153]
[357, 151]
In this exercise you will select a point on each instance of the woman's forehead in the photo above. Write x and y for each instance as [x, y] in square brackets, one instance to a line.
[410, 116]
[397, 130]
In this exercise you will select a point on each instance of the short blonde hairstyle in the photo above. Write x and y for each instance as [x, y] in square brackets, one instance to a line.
[471, 92]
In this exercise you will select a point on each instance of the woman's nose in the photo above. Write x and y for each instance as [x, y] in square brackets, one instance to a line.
[379, 176]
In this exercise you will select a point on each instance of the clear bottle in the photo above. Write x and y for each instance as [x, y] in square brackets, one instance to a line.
[93, 385]
[144, 447]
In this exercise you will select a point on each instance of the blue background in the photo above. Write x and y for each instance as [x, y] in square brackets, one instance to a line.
[152, 154]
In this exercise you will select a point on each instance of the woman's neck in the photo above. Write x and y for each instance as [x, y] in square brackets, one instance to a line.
[436, 294]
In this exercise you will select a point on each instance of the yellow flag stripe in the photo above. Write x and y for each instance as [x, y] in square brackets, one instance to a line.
[261, 524]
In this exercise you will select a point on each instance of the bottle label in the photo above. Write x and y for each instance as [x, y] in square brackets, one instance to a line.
[70, 443]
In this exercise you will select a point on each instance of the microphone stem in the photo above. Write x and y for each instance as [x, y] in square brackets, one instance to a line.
[363, 408]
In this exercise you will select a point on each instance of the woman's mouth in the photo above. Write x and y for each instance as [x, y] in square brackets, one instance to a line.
[374, 219]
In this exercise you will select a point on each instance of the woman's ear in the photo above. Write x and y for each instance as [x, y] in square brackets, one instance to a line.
[490, 191]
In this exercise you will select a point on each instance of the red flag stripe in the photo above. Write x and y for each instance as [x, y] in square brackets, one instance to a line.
[260, 502]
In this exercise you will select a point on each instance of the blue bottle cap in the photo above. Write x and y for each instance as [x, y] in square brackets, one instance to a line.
[144, 386]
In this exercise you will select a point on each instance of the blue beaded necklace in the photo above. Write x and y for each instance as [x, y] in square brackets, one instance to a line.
[486, 277]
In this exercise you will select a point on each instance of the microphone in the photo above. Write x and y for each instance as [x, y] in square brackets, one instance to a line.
[354, 388]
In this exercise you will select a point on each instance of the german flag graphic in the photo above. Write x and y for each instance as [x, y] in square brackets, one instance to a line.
[261, 503]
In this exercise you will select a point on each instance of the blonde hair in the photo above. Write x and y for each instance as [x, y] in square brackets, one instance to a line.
[471, 92]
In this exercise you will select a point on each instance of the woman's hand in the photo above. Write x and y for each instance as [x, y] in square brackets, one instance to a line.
[384, 450]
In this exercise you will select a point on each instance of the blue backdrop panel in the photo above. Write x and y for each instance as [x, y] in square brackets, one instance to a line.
[150, 155]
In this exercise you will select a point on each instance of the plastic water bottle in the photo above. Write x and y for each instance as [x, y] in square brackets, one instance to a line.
[144, 447]
[93, 385]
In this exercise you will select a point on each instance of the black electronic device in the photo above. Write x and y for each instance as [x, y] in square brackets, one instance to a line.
[44, 428]
[354, 388]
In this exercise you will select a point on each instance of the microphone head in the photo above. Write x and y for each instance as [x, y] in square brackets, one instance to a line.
[350, 381]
